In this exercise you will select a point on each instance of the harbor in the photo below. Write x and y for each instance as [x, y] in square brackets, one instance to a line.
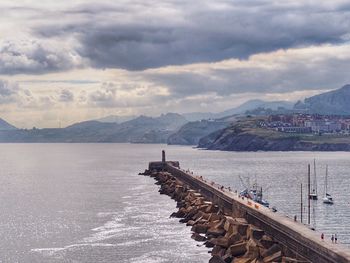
[298, 239]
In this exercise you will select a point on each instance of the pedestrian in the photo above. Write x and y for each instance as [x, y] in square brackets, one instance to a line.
[335, 238]
[332, 238]
[295, 218]
[322, 237]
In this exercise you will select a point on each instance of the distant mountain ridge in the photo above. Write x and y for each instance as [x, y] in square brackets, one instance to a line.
[5, 126]
[335, 102]
[142, 129]
[241, 109]
[116, 118]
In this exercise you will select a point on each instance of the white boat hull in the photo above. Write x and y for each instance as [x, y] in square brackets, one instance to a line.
[327, 201]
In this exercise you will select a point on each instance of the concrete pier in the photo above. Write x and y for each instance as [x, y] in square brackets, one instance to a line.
[297, 237]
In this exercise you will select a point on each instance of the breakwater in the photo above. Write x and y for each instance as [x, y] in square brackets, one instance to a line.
[239, 230]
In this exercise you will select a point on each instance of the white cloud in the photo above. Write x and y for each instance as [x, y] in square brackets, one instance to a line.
[8, 92]
[35, 57]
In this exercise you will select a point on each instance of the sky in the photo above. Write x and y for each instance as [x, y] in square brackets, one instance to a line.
[63, 62]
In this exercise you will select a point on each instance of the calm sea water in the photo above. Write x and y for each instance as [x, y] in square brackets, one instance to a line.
[86, 203]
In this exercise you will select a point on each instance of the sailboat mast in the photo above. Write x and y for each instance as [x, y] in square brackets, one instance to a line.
[326, 182]
[301, 203]
[308, 187]
[315, 178]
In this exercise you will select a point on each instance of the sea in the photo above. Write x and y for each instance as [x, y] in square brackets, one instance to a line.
[87, 203]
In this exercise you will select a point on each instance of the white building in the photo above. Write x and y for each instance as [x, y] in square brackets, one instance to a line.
[323, 125]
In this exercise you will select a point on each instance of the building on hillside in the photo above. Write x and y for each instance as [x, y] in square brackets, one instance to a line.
[321, 126]
[294, 129]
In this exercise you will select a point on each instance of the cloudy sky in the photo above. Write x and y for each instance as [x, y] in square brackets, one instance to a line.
[68, 61]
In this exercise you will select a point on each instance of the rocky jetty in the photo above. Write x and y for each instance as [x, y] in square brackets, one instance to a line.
[229, 239]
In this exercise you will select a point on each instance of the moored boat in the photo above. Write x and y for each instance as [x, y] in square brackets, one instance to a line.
[327, 199]
[254, 193]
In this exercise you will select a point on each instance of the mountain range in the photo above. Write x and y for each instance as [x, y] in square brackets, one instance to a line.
[142, 129]
[173, 128]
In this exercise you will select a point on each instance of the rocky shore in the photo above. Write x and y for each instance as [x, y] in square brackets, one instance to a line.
[251, 142]
[229, 239]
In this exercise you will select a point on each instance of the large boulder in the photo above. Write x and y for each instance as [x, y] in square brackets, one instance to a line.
[242, 229]
[274, 257]
[220, 241]
[238, 249]
[212, 209]
[200, 228]
[198, 237]
[218, 251]
[253, 251]
[190, 223]
[267, 242]
[272, 250]
[216, 232]
[241, 220]
[215, 217]
[181, 213]
[234, 238]
[255, 233]
[292, 260]
[216, 259]
[219, 224]
[242, 260]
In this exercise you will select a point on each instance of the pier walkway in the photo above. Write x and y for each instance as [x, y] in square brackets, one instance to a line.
[295, 236]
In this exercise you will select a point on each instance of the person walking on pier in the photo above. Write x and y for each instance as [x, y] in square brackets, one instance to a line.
[332, 238]
[335, 238]
[322, 237]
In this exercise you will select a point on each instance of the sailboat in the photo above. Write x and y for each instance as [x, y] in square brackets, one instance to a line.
[327, 199]
[313, 193]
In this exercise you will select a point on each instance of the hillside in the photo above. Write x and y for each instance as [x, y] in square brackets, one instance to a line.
[5, 126]
[192, 132]
[245, 135]
[335, 102]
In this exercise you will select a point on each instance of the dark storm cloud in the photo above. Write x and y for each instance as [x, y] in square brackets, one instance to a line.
[153, 34]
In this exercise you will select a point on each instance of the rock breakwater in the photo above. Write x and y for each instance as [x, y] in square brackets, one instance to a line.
[229, 239]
